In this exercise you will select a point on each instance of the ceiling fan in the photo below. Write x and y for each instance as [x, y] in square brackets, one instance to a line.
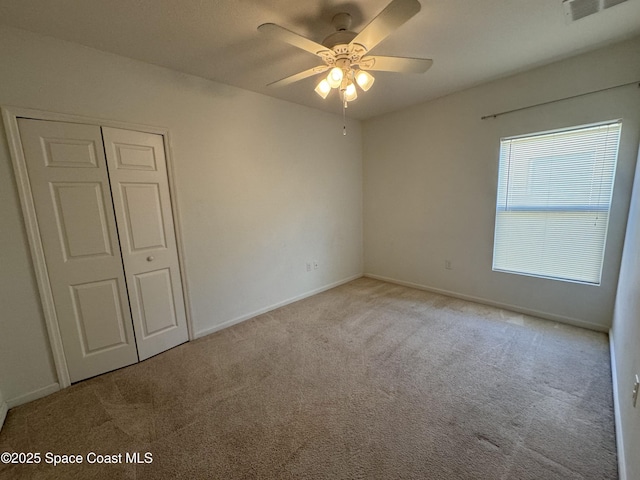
[346, 54]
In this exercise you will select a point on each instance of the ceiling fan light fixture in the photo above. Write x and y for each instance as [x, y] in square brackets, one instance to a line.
[335, 77]
[346, 53]
[323, 88]
[364, 79]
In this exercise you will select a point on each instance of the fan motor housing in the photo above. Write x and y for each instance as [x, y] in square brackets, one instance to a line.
[342, 37]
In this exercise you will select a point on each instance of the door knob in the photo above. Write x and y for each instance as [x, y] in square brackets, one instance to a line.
[150, 258]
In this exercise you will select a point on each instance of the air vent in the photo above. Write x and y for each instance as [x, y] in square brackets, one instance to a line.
[577, 9]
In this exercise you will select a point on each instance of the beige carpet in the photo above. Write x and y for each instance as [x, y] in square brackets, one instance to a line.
[368, 380]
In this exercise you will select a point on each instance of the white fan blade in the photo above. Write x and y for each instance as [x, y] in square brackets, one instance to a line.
[396, 64]
[394, 15]
[281, 33]
[299, 76]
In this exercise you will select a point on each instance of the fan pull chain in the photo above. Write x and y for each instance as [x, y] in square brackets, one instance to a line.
[344, 117]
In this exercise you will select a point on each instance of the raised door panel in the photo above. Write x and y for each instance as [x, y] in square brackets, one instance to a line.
[99, 317]
[155, 300]
[138, 175]
[70, 152]
[142, 210]
[135, 157]
[81, 220]
[72, 198]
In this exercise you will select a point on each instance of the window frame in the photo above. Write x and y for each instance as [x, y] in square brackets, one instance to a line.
[501, 207]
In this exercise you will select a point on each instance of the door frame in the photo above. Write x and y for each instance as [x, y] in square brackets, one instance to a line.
[10, 115]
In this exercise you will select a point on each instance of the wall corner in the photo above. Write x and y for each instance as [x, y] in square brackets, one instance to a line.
[3, 410]
[622, 469]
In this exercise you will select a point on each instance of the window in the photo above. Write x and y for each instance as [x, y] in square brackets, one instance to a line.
[554, 197]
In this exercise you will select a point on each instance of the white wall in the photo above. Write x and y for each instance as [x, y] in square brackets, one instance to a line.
[625, 338]
[263, 186]
[430, 177]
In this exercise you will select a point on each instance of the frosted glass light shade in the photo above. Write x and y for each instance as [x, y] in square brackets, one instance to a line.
[323, 88]
[350, 93]
[335, 77]
[364, 79]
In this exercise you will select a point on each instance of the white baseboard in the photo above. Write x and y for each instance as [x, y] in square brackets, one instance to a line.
[242, 318]
[36, 394]
[622, 464]
[484, 301]
[4, 408]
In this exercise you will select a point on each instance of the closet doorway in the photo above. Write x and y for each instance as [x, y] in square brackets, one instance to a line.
[102, 228]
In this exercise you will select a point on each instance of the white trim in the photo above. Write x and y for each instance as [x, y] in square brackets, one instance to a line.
[177, 226]
[484, 301]
[242, 318]
[4, 408]
[622, 464]
[10, 115]
[35, 395]
[37, 252]
[68, 118]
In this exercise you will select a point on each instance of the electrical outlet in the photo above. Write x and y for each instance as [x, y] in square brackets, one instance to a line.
[636, 389]
[448, 265]
[315, 264]
[308, 266]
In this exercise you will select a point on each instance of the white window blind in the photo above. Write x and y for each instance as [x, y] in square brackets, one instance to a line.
[554, 197]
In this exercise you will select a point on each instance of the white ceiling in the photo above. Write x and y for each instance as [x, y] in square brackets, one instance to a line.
[470, 41]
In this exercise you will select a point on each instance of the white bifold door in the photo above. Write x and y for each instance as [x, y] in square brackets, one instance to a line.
[138, 174]
[104, 215]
